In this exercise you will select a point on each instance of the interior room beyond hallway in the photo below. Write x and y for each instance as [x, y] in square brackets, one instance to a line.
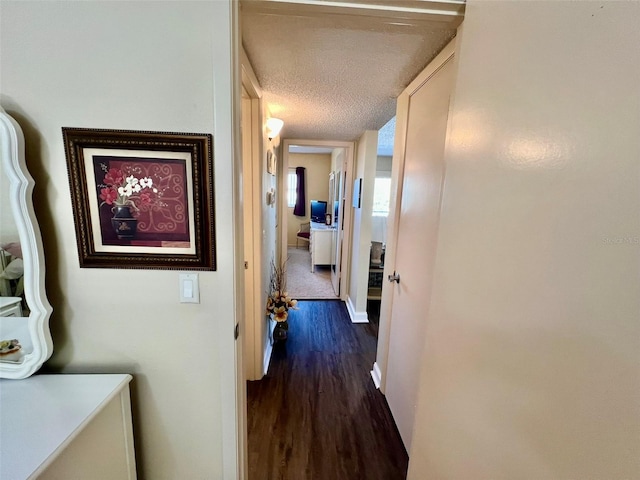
[301, 282]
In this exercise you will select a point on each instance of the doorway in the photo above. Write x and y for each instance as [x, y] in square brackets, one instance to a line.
[317, 269]
[283, 243]
[379, 217]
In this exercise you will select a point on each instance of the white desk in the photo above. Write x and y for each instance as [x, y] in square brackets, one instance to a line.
[66, 427]
[320, 244]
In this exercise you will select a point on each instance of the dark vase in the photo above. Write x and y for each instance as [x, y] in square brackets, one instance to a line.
[123, 222]
[280, 331]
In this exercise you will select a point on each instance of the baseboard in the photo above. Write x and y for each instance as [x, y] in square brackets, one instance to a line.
[356, 317]
[268, 348]
[376, 375]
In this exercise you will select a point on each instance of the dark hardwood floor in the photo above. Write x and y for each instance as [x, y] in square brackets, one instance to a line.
[373, 314]
[317, 414]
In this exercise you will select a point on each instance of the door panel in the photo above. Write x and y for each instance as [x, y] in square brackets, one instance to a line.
[248, 327]
[418, 218]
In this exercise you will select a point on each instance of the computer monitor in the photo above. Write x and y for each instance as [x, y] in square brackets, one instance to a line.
[318, 211]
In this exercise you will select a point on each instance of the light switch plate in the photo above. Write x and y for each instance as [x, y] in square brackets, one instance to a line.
[189, 288]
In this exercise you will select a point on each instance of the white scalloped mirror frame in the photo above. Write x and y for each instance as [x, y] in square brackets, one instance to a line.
[32, 331]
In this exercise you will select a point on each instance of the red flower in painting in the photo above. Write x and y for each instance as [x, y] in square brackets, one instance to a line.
[127, 185]
[145, 199]
[114, 177]
[108, 195]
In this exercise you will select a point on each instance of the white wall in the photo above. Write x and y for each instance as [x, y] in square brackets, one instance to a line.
[269, 242]
[361, 239]
[337, 157]
[148, 66]
[383, 166]
[532, 351]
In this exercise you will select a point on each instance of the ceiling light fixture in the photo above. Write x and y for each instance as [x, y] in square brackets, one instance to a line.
[274, 125]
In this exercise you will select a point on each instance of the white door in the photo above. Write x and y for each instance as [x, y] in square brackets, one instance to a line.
[422, 123]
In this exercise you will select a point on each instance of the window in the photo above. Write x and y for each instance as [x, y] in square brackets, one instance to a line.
[381, 196]
[292, 185]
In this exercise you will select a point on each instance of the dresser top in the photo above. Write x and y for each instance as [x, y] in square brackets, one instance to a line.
[40, 415]
[321, 226]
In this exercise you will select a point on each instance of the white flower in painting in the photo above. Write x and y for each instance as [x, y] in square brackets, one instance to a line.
[122, 187]
[125, 191]
[146, 182]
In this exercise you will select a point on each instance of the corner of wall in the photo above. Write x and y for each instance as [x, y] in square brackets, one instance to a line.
[376, 375]
[355, 316]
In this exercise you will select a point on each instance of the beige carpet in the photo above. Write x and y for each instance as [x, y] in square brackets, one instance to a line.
[301, 283]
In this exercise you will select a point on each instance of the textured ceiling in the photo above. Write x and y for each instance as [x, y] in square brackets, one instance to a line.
[333, 73]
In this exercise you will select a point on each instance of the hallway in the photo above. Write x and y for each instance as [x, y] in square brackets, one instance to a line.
[317, 414]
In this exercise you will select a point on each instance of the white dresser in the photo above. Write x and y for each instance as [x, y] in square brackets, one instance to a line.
[10, 307]
[320, 244]
[66, 427]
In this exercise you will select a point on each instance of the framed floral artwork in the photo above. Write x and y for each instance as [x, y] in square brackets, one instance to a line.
[142, 199]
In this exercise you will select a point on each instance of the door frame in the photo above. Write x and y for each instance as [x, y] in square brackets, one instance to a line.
[282, 204]
[253, 330]
[379, 372]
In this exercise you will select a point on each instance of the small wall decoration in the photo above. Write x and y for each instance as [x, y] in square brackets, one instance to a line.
[271, 197]
[357, 193]
[271, 162]
[142, 199]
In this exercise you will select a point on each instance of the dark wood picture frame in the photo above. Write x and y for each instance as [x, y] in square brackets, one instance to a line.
[142, 199]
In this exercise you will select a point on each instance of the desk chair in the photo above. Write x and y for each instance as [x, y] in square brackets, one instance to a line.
[304, 233]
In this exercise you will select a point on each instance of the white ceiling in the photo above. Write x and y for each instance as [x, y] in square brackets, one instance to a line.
[332, 70]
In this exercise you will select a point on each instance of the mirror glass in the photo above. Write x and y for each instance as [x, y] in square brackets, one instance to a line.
[25, 341]
[11, 264]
